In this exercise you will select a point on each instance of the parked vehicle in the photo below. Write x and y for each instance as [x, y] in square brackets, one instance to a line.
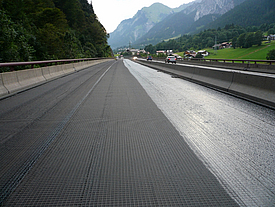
[171, 59]
[149, 58]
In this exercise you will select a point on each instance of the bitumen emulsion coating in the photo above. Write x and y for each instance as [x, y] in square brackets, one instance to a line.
[106, 143]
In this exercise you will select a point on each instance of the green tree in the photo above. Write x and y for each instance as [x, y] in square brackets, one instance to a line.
[52, 16]
[14, 40]
[51, 26]
[51, 41]
[150, 48]
[72, 46]
[72, 10]
[271, 55]
[234, 42]
[271, 31]
[249, 40]
[258, 38]
[222, 37]
[210, 42]
[241, 40]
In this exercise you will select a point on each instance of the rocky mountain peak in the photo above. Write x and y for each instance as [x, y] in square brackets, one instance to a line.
[205, 7]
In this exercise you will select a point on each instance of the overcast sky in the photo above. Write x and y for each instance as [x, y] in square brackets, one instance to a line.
[111, 12]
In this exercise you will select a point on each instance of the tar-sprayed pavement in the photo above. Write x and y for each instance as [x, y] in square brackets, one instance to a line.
[95, 138]
[233, 137]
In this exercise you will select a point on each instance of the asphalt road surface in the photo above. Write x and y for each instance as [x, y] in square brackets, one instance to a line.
[98, 137]
[233, 137]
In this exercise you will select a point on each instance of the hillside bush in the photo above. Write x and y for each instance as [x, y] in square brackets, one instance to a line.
[271, 55]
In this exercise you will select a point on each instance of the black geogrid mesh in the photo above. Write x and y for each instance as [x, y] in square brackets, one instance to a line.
[118, 149]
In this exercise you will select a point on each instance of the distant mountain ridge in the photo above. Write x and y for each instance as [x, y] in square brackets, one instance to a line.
[193, 17]
[168, 23]
[132, 29]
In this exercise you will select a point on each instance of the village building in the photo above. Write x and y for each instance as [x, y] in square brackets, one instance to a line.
[271, 37]
[136, 51]
[222, 46]
[160, 52]
[190, 54]
[204, 53]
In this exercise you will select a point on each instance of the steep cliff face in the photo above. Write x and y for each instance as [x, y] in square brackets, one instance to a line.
[205, 7]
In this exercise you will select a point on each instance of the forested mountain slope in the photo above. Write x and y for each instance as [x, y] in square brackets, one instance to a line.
[50, 29]
[249, 13]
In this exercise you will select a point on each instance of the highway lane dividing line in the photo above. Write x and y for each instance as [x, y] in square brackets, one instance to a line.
[12, 184]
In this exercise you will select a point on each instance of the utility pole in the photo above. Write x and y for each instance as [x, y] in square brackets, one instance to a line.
[215, 44]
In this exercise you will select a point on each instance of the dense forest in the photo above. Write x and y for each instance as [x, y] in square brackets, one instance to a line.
[249, 13]
[50, 29]
[243, 37]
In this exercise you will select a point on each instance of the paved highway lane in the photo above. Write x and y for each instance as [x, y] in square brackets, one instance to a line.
[95, 138]
[30, 121]
[233, 137]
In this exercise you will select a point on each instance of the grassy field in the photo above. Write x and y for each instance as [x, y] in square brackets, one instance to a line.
[252, 53]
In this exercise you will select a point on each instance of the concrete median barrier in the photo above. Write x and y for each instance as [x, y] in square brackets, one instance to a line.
[79, 65]
[68, 68]
[10, 81]
[31, 77]
[257, 87]
[46, 73]
[3, 89]
[91, 63]
[220, 79]
[56, 71]
[187, 72]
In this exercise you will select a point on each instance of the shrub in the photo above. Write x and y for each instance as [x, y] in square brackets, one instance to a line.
[271, 55]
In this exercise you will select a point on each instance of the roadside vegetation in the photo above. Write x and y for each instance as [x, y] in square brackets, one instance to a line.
[246, 42]
[50, 29]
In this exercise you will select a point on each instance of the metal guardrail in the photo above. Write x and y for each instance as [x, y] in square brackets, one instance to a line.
[243, 61]
[12, 65]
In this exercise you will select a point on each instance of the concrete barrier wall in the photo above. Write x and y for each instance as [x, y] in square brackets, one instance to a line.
[221, 79]
[46, 73]
[68, 68]
[56, 71]
[259, 88]
[81, 65]
[256, 87]
[12, 82]
[3, 89]
[188, 72]
[78, 66]
[28, 78]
